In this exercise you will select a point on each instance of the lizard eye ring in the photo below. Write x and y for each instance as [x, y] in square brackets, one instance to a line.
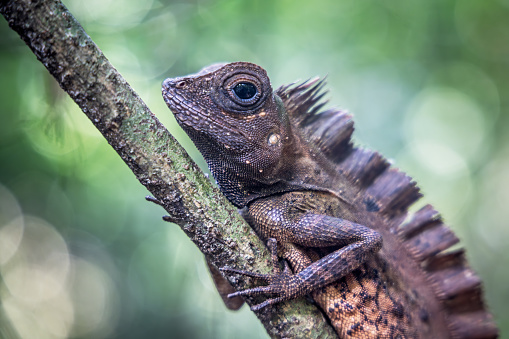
[241, 88]
[244, 90]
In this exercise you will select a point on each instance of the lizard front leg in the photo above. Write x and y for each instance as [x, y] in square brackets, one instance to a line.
[290, 221]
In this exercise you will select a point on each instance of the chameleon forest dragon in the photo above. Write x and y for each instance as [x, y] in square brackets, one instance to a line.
[336, 213]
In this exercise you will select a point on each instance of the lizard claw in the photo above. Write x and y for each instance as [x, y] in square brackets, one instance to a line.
[260, 276]
[259, 291]
[281, 282]
[267, 303]
[251, 291]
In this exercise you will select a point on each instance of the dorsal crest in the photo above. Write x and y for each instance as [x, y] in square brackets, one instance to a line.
[330, 130]
[388, 191]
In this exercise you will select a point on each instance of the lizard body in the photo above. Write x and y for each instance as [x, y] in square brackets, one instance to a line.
[337, 214]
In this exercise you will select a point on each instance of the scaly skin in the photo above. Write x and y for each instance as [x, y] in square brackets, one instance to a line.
[366, 303]
[337, 214]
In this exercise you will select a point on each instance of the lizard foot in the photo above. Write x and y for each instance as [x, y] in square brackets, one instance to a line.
[281, 282]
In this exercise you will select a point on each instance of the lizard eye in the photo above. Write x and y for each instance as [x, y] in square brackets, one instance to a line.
[245, 90]
[241, 88]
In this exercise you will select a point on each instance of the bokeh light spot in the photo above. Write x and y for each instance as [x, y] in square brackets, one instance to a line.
[438, 158]
[95, 300]
[35, 296]
[111, 15]
[11, 225]
[446, 116]
[41, 264]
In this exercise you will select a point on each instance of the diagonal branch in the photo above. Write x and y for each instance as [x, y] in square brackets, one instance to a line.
[153, 155]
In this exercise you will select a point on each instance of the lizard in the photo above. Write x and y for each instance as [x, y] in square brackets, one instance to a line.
[338, 215]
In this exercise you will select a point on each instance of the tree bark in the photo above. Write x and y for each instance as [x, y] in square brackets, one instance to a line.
[153, 155]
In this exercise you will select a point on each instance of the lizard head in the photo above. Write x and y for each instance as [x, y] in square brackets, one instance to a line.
[237, 122]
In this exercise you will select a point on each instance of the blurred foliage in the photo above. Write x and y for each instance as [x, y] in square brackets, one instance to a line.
[83, 255]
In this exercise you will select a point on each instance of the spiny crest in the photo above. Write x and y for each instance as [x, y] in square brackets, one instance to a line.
[303, 100]
[329, 130]
[455, 284]
[391, 192]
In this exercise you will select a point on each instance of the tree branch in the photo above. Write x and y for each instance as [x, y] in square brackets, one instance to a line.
[152, 154]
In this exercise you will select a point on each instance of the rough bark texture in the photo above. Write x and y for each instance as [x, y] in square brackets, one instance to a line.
[153, 155]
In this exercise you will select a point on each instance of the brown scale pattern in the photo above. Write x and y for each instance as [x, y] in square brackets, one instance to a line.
[360, 306]
[366, 303]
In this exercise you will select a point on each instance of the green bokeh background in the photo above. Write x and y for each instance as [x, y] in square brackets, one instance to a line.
[83, 255]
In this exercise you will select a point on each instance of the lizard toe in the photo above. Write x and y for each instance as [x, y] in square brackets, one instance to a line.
[253, 291]
[267, 303]
[259, 276]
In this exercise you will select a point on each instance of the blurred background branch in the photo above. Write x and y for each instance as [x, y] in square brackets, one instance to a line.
[152, 154]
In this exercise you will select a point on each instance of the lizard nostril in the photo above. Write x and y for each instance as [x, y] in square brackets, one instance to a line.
[181, 84]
